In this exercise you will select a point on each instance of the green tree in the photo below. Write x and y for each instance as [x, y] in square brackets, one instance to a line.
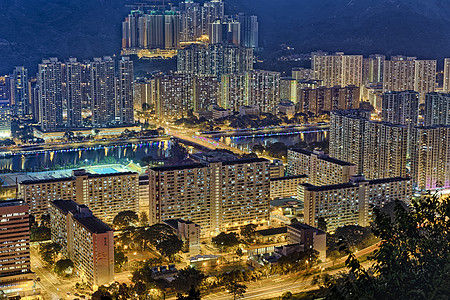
[224, 241]
[236, 289]
[169, 246]
[322, 224]
[49, 252]
[125, 219]
[248, 231]
[193, 294]
[177, 153]
[413, 259]
[143, 219]
[63, 266]
[188, 278]
[119, 259]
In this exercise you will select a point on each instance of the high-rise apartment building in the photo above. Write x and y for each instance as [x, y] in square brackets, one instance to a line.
[401, 108]
[430, 167]
[346, 132]
[425, 77]
[73, 72]
[351, 203]
[125, 100]
[233, 91]
[206, 92]
[105, 194]
[190, 21]
[5, 118]
[437, 109]
[20, 93]
[373, 68]
[385, 148]
[264, 89]
[286, 186]
[323, 99]
[319, 167]
[215, 59]
[49, 81]
[338, 69]
[103, 91]
[399, 74]
[249, 30]
[446, 85]
[378, 149]
[174, 95]
[225, 31]
[85, 240]
[172, 30]
[220, 193]
[16, 278]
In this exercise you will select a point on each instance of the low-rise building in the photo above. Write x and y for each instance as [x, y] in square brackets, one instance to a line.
[188, 232]
[85, 240]
[310, 237]
[319, 167]
[249, 110]
[105, 194]
[351, 203]
[284, 187]
[219, 113]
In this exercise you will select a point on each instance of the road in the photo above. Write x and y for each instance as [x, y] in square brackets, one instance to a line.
[51, 286]
[201, 140]
[275, 286]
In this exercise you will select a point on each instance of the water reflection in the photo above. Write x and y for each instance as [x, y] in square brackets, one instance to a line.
[246, 143]
[88, 156]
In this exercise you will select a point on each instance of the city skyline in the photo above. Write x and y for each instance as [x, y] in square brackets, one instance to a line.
[205, 153]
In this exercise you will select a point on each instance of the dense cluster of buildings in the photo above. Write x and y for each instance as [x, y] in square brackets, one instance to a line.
[72, 94]
[188, 23]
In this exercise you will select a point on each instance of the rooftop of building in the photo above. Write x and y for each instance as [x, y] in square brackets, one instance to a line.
[214, 156]
[65, 206]
[178, 167]
[174, 222]
[287, 202]
[272, 231]
[302, 226]
[353, 183]
[9, 180]
[245, 161]
[83, 215]
[93, 224]
[323, 156]
[14, 202]
[288, 177]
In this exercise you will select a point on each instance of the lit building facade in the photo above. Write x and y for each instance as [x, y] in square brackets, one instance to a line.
[49, 81]
[105, 194]
[16, 278]
[378, 149]
[217, 195]
[437, 109]
[338, 69]
[319, 167]
[285, 187]
[21, 92]
[430, 167]
[351, 203]
[85, 240]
